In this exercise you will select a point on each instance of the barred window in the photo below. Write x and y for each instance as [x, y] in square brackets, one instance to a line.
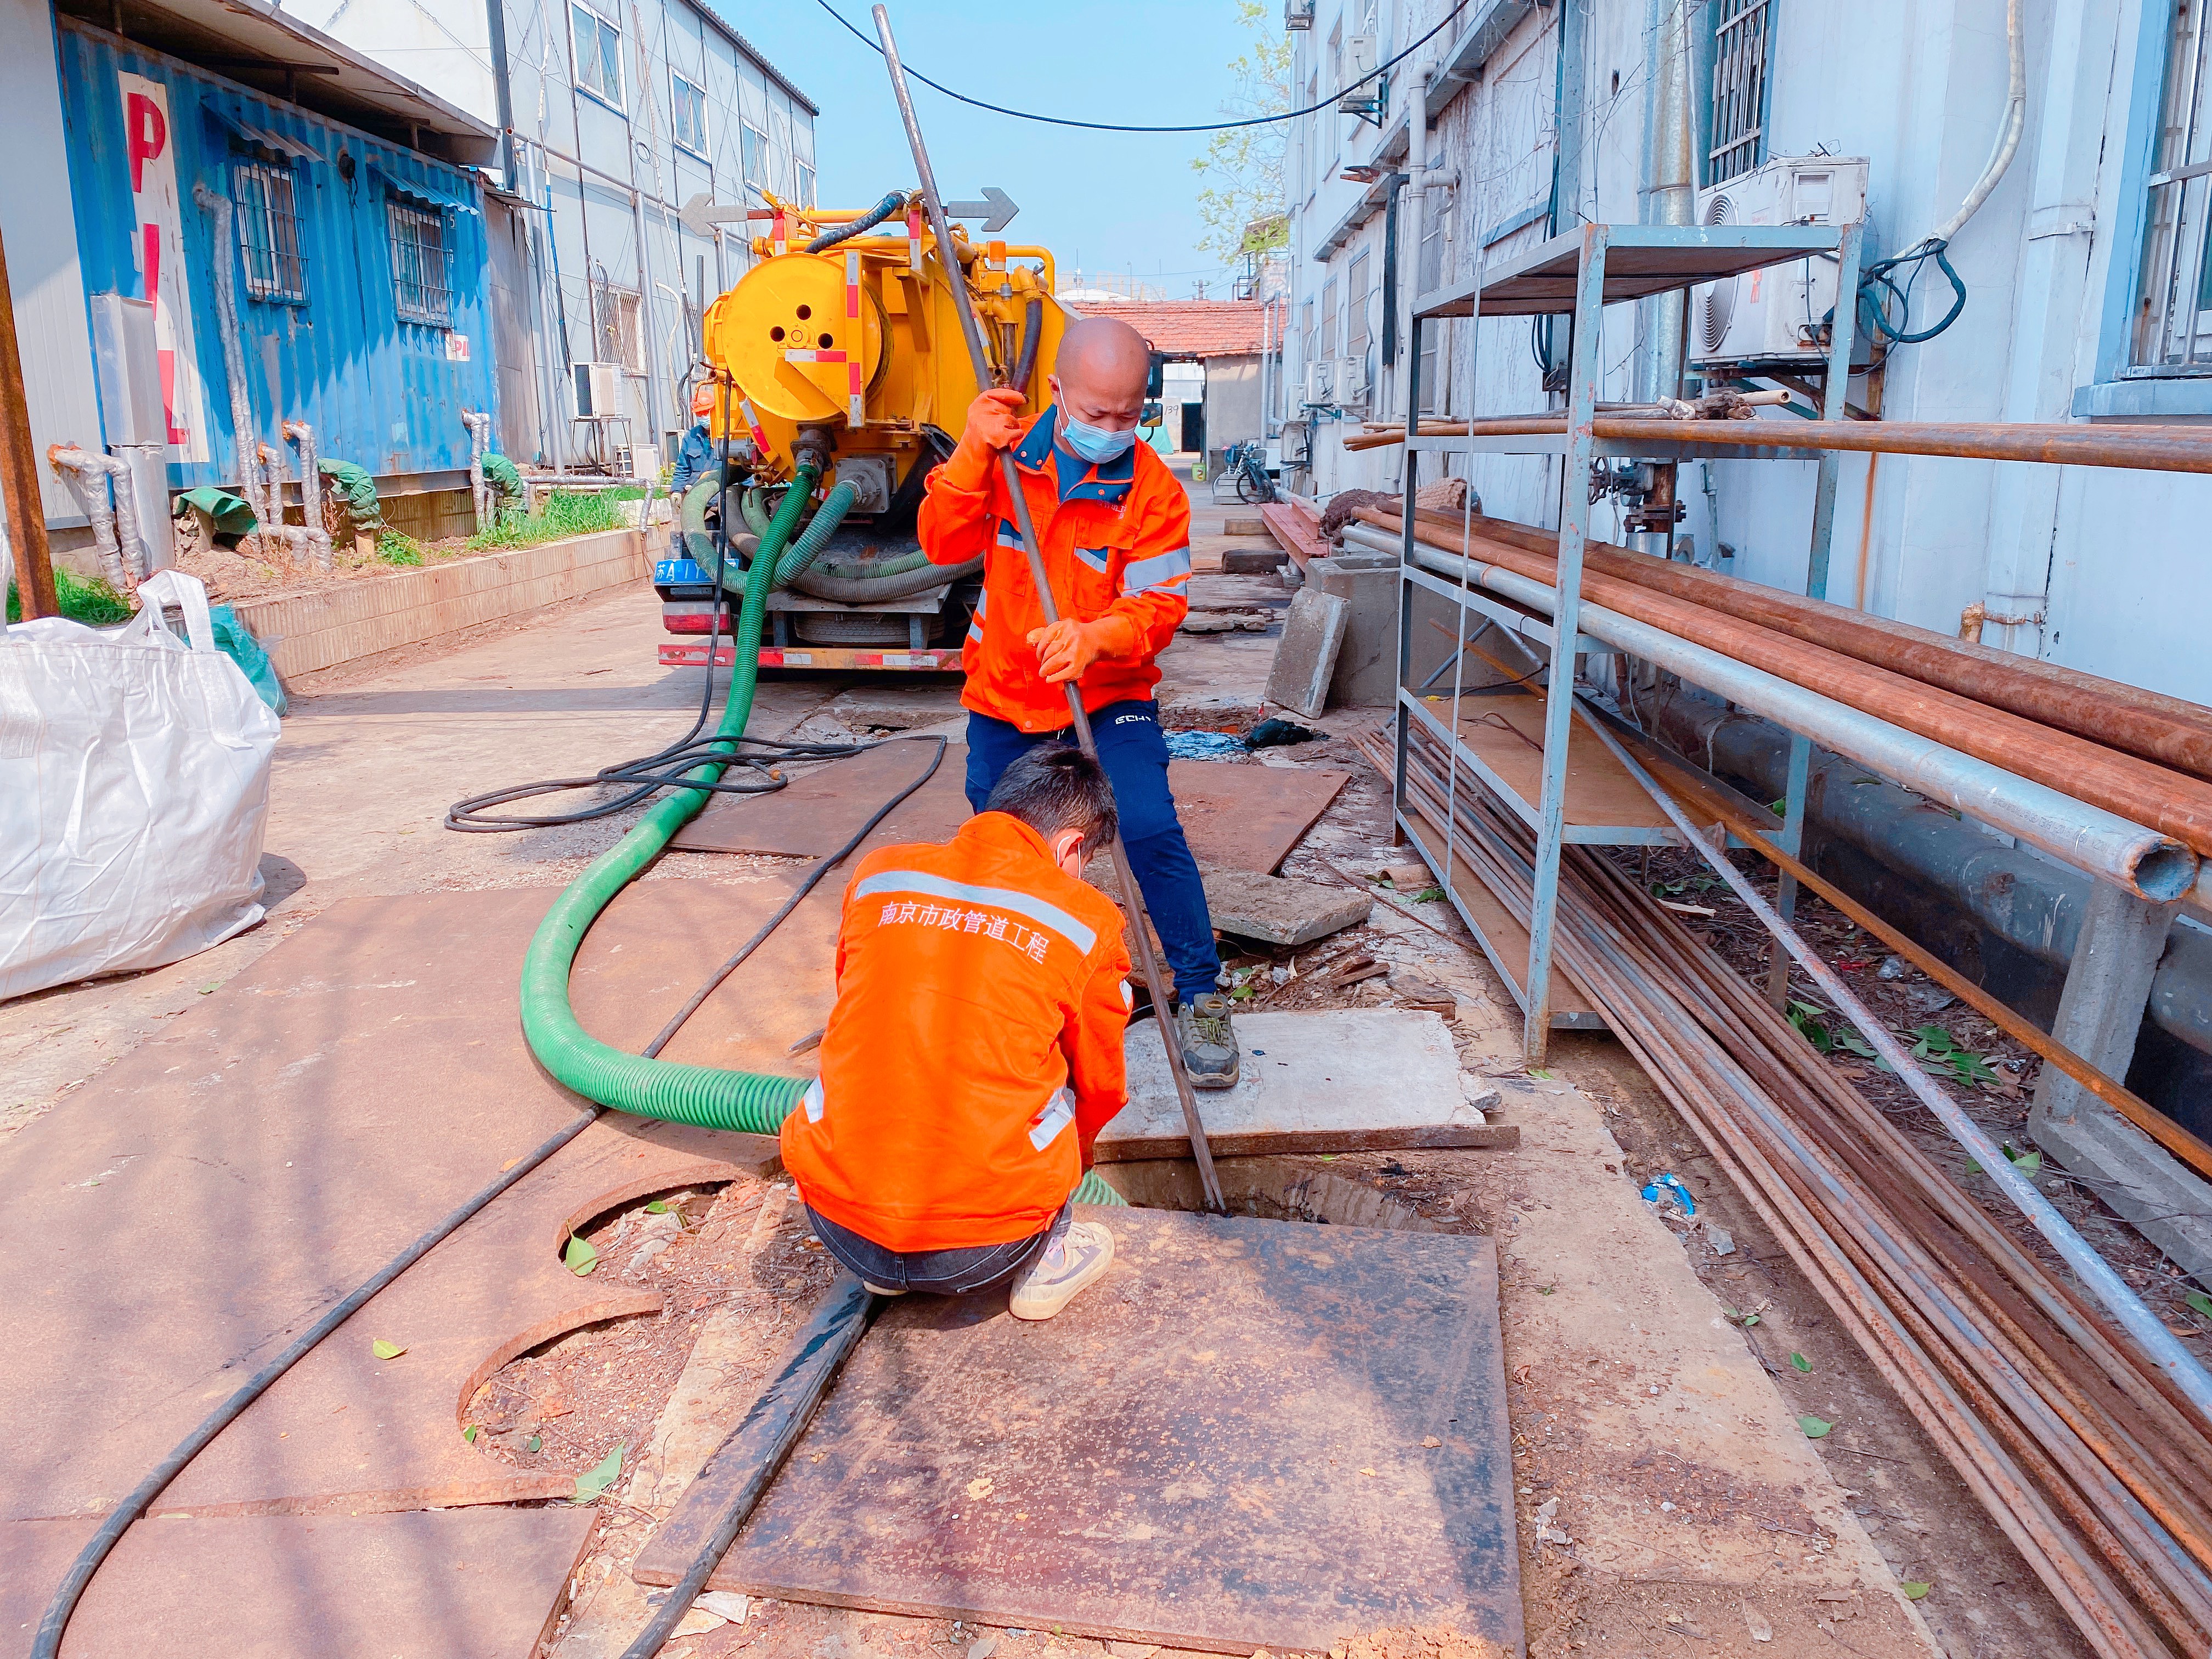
[598, 46]
[267, 211]
[1743, 48]
[2173, 305]
[688, 113]
[421, 265]
[753, 154]
[1355, 306]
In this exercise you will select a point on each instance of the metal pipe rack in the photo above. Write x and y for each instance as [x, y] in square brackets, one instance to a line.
[1577, 274]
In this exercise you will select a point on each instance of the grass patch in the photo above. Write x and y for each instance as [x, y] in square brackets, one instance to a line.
[567, 512]
[395, 547]
[92, 602]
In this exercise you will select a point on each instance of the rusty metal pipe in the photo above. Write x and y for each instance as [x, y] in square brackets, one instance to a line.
[2086, 837]
[2169, 730]
[2167, 801]
[2147, 449]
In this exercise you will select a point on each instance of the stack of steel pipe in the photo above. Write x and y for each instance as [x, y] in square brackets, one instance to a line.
[2109, 778]
[2078, 1444]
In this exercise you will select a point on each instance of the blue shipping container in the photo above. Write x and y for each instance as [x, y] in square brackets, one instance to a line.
[358, 267]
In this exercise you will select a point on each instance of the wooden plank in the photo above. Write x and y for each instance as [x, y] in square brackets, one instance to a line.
[1508, 733]
[1249, 1434]
[1299, 535]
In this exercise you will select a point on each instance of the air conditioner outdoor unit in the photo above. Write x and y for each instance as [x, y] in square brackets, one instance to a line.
[1321, 381]
[1773, 315]
[1358, 64]
[1297, 13]
[599, 389]
[1352, 381]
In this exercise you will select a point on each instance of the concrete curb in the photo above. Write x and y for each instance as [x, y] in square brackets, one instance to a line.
[305, 632]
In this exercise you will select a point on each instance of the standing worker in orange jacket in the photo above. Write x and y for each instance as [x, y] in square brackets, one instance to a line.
[975, 1052]
[1114, 527]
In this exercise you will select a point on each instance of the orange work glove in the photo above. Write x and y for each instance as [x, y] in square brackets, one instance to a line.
[994, 423]
[1065, 649]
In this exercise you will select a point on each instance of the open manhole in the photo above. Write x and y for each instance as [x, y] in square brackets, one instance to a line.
[1410, 1192]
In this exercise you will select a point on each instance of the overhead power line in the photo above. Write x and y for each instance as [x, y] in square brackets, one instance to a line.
[1109, 126]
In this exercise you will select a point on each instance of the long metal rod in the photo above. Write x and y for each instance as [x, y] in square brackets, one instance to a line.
[2095, 1272]
[1133, 898]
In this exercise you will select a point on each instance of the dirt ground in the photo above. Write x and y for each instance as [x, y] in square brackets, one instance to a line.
[1666, 1499]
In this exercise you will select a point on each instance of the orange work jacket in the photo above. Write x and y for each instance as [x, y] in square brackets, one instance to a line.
[1116, 538]
[975, 1048]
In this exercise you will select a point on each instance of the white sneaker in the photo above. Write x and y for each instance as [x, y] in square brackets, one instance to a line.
[1050, 1283]
[881, 1289]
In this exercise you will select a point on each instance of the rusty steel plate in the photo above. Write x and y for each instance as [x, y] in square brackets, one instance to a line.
[1249, 1434]
[1236, 817]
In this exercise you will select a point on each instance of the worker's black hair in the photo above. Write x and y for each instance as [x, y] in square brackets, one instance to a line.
[1054, 788]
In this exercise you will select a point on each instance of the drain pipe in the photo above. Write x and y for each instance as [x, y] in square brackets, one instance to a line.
[479, 426]
[218, 209]
[291, 538]
[87, 474]
[1670, 196]
[310, 494]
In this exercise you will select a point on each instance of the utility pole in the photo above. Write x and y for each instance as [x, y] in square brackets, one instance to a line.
[19, 471]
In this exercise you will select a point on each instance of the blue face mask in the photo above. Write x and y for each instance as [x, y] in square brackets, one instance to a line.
[1095, 444]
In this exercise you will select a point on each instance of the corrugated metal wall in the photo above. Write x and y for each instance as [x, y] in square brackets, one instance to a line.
[381, 392]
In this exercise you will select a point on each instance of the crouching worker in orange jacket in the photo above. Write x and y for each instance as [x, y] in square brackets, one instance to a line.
[975, 1052]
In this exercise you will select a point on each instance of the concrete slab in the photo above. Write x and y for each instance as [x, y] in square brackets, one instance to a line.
[1249, 1434]
[422, 1586]
[1340, 1080]
[1305, 656]
[1278, 911]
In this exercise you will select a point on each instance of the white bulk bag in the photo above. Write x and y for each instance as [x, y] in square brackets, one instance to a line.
[134, 791]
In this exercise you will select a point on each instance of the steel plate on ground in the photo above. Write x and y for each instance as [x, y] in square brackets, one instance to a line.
[1249, 1434]
[1235, 817]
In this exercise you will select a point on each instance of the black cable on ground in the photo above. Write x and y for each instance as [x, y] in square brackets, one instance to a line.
[1328, 102]
[47, 1644]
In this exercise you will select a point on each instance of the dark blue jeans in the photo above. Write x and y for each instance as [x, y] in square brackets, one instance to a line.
[1135, 757]
[935, 1272]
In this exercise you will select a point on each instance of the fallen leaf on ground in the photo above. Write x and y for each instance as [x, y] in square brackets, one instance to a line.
[1801, 1362]
[1814, 1427]
[384, 1350]
[579, 1255]
[1914, 1589]
[596, 1478]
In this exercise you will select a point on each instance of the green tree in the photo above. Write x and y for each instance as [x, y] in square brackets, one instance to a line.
[1242, 203]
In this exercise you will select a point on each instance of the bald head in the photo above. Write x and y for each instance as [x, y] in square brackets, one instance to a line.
[1101, 373]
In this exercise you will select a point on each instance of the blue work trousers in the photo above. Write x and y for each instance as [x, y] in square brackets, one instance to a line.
[1135, 757]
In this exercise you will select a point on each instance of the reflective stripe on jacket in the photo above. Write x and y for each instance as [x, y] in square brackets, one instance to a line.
[975, 1048]
[1117, 541]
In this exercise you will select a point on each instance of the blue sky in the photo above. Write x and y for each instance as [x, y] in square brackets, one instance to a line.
[1100, 200]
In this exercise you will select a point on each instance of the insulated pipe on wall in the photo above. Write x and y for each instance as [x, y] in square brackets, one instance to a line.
[2089, 838]
[87, 476]
[311, 493]
[243, 441]
[479, 428]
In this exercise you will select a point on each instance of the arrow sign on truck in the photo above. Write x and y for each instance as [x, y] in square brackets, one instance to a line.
[995, 210]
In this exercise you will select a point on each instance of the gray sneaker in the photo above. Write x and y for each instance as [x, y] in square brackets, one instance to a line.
[1210, 1054]
[1067, 1264]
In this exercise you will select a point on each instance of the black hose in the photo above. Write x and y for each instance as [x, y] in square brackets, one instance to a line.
[854, 590]
[894, 202]
[1032, 336]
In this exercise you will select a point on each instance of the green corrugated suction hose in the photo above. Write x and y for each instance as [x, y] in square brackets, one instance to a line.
[706, 1095]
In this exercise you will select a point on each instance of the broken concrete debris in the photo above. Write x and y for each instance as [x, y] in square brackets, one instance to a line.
[1280, 911]
[1305, 656]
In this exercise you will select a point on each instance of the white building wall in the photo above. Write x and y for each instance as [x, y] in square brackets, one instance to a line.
[2105, 564]
[609, 179]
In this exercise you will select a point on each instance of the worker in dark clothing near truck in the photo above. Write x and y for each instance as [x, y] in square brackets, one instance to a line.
[1115, 530]
[695, 458]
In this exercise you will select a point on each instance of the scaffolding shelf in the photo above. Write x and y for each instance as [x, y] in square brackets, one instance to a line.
[1640, 260]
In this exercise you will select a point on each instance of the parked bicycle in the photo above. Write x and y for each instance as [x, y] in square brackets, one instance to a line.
[1245, 465]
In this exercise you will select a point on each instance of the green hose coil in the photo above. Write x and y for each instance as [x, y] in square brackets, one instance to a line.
[751, 504]
[704, 1096]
